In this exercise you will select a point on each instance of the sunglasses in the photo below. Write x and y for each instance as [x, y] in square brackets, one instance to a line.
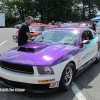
[31, 20]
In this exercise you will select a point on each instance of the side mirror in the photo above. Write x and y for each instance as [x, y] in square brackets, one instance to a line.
[85, 42]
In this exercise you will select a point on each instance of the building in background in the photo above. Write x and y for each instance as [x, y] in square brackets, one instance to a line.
[2, 19]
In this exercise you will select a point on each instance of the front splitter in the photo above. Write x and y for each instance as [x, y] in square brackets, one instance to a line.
[33, 88]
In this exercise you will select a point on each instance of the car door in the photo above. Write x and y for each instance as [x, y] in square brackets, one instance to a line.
[88, 50]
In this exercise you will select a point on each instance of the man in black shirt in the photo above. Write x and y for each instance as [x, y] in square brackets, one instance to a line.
[93, 26]
[24, 33]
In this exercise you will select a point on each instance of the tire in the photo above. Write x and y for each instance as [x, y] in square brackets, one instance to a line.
[97, 59]
[98, 56]
[67, 79]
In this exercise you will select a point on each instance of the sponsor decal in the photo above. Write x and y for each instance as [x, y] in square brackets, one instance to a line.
[12, 90]
[80, 68]
[54, 85]
[79, 59]
[79, 64]
[79, 56]
[88, 54]
[85, 57]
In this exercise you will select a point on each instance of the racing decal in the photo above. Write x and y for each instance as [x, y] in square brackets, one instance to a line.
[88, 54]
[54, 84]
[80, 69]
[79, 59]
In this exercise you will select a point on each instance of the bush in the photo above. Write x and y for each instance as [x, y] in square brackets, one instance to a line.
[9, 21]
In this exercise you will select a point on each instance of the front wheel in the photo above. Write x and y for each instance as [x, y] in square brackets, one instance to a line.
[67, 77]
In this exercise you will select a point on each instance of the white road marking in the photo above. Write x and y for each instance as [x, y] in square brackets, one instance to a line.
[3, 42]
[77, 92]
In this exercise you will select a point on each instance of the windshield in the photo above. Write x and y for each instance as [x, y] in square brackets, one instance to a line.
[37, 28]
[68, 37]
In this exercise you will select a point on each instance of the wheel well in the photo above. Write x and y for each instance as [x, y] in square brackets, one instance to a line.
[74, 65]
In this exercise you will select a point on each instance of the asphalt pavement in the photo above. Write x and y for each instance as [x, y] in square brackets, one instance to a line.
[86, 86]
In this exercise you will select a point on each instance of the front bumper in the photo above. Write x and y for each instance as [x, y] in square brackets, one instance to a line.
[28, 81]
[34, 88]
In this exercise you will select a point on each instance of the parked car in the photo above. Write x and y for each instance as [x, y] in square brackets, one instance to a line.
[51, 61]
[17, 25]
[84, 25]
[69, 25]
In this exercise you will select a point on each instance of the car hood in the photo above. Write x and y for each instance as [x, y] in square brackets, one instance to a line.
[36, 53]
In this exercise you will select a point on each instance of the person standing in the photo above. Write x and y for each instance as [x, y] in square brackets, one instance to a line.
[53, 23]
[93, 26]
[57, 23]
[24, 33]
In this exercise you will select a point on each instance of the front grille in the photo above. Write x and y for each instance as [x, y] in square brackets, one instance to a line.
[17, 67]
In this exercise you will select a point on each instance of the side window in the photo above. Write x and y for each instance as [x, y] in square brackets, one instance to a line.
[87, 35]
[84, 36]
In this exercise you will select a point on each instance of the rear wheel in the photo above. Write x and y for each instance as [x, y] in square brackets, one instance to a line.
[97, 59]
[67, 77]
[98, 56]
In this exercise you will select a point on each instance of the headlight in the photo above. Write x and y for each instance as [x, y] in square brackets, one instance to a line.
[45, 70]
[14, 37]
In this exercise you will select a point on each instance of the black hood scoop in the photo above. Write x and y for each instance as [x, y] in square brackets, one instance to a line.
[24, 49]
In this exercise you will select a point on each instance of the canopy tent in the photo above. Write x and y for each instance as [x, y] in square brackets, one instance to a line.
[95, 19]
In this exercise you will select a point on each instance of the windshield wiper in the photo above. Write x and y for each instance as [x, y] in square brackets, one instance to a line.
[41, 39]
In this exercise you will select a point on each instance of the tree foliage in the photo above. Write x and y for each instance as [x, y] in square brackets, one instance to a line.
[48, 10]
